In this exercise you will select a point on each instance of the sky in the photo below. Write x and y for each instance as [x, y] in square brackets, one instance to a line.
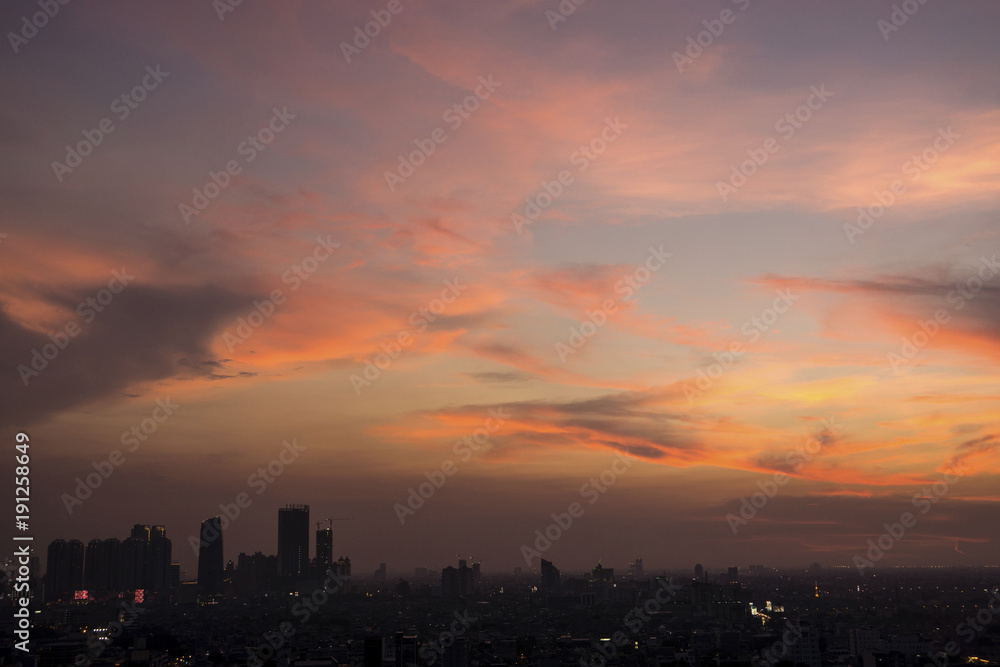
[692, 281]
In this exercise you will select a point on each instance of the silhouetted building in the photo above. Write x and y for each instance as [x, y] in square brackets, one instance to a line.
[161, 555]
[64, 572]
[699, 573]
[210, 560]
[373, 651]
[256, 574]
[380, 573]
[406, 650]
[341, 570]
[805, 651]
[605, 574]
[145, 559]
[602, 582]
[464, 578]
[457, 654]
[733, 575]
[449, 583]
[102, 567]
[550, 577]
[324, 550]
[293, 541]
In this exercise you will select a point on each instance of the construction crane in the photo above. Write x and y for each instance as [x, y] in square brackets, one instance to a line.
[329, 521]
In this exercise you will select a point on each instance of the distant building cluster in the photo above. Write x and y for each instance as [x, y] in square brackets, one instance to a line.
[258, 574]
[141, 562]
[282, 611]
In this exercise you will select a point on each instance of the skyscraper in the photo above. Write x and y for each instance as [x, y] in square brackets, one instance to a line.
[160, 554]
[102, 571]
[550, 577]
[293, 540]
[210, 561]
[64, 573]
[324, 549]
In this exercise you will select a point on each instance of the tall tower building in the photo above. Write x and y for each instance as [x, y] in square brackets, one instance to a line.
[293, 540]
[160, 554]
[210, 562]
[64, 571]
[324, 549]
[102, 567]
[550, 577]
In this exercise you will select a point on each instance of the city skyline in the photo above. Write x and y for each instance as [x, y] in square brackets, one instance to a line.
[518, 281]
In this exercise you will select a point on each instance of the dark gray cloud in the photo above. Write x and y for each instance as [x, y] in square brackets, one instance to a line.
[144, 334]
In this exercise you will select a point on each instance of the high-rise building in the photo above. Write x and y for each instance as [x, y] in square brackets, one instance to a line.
[102, 567]
[293, 540]
[464, 578]
[805, 651]
[256, 574]
[324, 549]
[64, 571]
[341, 570]
[449, 583]
[373, 650]
[145, 559]
[160, 554]
[210, 560]
[457, 654]
[699, 573]
[550, 577]
[406, 650]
